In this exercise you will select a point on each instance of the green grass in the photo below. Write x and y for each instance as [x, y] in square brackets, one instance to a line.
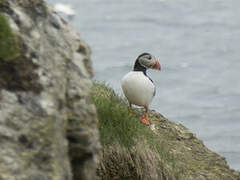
[117, 125]
[9, 48]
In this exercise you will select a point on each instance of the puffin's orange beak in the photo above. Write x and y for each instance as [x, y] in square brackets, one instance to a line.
[156, 65]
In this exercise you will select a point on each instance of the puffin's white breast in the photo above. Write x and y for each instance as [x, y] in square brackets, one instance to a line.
[138, 88]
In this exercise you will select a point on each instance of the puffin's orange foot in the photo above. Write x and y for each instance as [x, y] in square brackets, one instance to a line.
[144, 120]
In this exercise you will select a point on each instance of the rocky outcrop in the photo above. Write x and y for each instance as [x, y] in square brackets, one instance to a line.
[193, 159]
[182, 157]
[47, 122]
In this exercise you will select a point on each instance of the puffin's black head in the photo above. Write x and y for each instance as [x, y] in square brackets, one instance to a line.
[146, 61]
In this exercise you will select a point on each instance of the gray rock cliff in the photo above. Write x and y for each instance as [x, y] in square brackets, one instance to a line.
[48, 126]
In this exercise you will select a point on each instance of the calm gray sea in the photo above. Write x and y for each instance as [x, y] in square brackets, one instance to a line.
[197, 42]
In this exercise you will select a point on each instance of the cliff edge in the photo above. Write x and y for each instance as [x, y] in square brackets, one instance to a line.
[48, 123]
[165, 150]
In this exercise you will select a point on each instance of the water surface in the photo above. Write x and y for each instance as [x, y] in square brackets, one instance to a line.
[197, 42]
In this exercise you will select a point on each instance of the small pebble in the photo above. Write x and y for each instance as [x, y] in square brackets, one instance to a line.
[152, 127]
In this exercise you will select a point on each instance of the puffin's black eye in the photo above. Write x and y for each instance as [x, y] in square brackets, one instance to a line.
[149, 57]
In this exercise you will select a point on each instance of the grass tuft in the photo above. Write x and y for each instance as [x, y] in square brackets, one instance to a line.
[116, 124]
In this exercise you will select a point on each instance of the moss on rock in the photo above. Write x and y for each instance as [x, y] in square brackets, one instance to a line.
[9, 48]
[17, 72]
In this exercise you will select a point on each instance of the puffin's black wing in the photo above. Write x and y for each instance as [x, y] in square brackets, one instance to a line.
[154, 93]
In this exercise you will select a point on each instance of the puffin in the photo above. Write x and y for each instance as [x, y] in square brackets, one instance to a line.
[138, 87]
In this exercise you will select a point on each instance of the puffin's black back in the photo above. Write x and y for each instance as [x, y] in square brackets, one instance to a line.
[138, 66]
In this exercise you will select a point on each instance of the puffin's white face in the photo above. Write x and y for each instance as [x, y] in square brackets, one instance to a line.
[149, 61]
